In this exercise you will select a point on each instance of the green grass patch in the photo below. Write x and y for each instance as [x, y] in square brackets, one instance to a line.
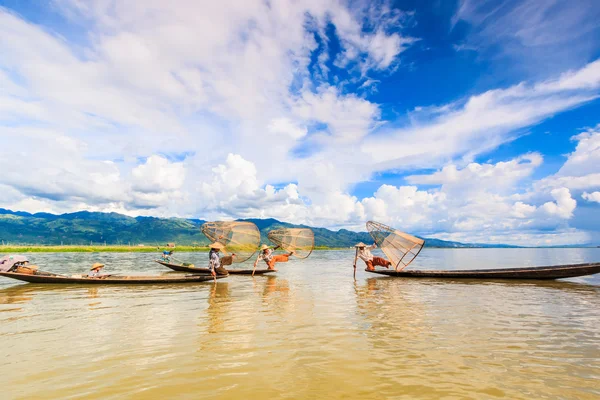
[96, 249]
[110, 249]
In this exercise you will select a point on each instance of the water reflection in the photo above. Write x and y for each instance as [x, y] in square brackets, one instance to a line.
[15, 295]
[483, 330]
[310, 331]
[219, 303]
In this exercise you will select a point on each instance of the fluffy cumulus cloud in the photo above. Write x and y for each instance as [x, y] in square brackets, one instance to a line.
[594, 196]
[580, 171]
[246, 109]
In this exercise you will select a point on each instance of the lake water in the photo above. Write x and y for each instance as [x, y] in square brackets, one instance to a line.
[311, 331]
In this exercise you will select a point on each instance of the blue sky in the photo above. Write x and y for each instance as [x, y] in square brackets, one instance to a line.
[466, 120]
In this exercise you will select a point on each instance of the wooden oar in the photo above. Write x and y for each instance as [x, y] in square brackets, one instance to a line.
[355, 258]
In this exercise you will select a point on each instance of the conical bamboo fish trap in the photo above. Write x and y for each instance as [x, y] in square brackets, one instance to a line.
[299, 240]
[239, 237]
[400, 248]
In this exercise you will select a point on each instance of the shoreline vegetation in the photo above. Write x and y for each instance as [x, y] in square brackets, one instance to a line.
[114, 249]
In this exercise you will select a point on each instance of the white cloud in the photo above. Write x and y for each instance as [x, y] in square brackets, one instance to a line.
[348, 117]
[283, 126]
[564, 205]
[158, 175]
[540, 37]
[594, 196]
[483, 122]
[580, 171]
[501, 176]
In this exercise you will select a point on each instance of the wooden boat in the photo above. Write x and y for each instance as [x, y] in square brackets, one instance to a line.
[49, 278]
[196, 270]
[545, 273]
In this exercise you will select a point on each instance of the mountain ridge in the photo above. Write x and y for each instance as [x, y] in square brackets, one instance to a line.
[88, 227]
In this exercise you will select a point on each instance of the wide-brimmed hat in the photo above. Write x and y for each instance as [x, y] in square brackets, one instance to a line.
[216, 245]
[97, 266]
[263, 247]
[361, 244]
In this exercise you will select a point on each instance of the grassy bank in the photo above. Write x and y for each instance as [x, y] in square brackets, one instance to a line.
[105, 249]
[93, 249]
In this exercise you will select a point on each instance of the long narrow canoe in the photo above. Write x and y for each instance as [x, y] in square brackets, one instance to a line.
[110, 280]
[196, 270]
[549, 272]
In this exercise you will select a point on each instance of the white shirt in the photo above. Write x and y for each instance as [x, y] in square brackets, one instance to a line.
[266, 255]
[214, 261]
[365, 253]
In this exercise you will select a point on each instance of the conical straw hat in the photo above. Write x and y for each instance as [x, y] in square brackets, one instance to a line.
[97, 266]
[216, 245]
[361, 244]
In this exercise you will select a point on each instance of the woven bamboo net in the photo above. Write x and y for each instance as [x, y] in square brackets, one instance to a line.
[239, 237]
[299, 240]
[400, 248]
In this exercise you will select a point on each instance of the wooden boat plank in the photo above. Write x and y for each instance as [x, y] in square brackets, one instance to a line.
[183, 268]
[249, 271]
[196, 270]
[126, 280]
[544, 272]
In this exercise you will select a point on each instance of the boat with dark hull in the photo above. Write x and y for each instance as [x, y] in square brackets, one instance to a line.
[196, 270]
[540, 273]
[49, 278]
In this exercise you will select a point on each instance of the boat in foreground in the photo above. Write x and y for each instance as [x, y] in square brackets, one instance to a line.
[543, 273]
[196, 270]
[49, 278]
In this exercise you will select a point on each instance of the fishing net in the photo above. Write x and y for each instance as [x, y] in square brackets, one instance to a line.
[239, 237]
[226, 260]
[299, 240]
[400, 248]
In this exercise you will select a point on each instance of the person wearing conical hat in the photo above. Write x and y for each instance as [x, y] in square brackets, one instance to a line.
[364, 253]
[95, 270]
[214, 262]
[266, 254]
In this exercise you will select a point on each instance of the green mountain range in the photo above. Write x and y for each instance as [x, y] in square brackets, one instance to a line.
[84, 228]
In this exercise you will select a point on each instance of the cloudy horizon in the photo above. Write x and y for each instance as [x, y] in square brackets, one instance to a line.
[466, 121]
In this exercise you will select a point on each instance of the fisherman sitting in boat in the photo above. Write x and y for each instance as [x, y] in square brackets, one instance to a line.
[214, 262]
[95, 271]
[266, 254]
[364, 253]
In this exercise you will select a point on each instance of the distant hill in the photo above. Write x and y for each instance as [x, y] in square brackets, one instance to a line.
[84, 227]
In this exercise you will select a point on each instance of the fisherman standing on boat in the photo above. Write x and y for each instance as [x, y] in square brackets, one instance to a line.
[266, 254]
[214, 262]
[166, 255]
[364, 253]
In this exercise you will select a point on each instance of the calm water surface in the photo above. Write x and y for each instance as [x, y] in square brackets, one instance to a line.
[311, 331]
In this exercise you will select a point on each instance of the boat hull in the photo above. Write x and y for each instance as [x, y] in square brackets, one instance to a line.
[539, 273]
[195, 270]
[111, 280]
